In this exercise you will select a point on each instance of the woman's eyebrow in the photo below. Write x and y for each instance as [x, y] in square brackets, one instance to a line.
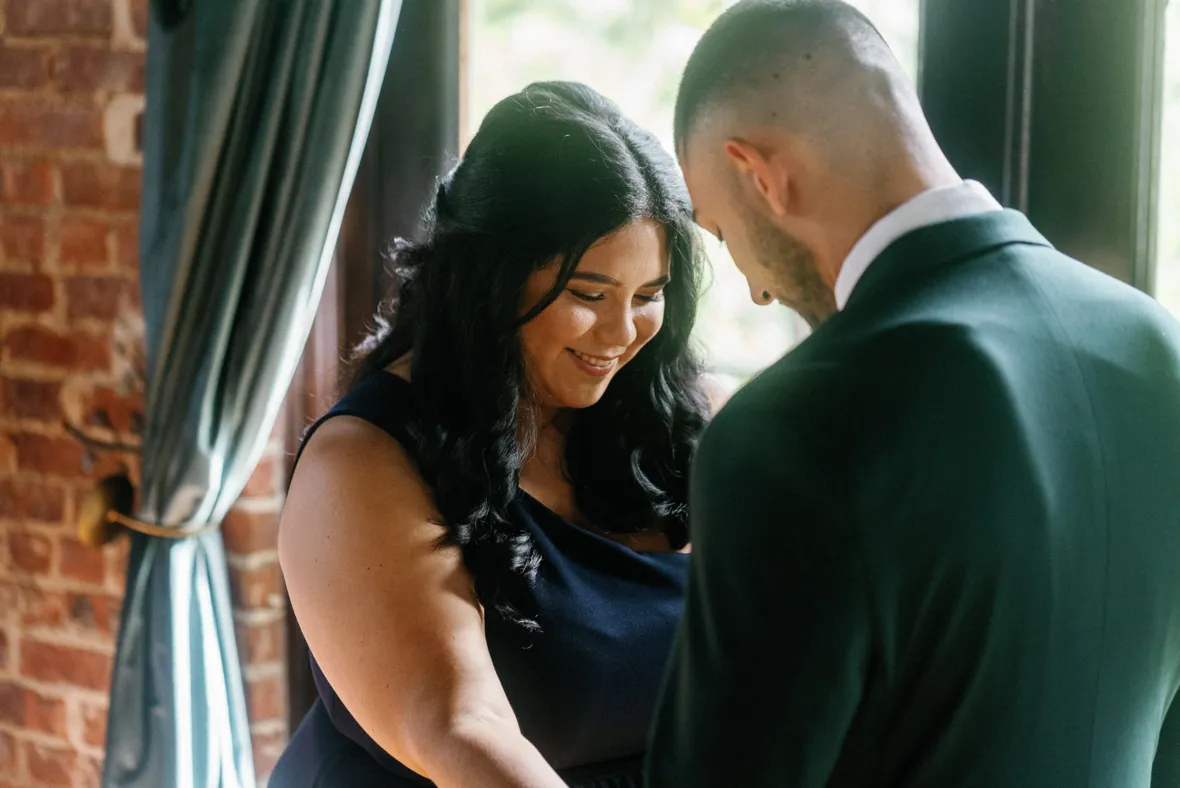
[603, 279]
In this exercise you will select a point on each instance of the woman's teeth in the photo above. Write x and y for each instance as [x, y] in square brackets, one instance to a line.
[594, 361]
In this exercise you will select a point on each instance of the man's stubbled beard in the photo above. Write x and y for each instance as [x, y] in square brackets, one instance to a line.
[792, 266]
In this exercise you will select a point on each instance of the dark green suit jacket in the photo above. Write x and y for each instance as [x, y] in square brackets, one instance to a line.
[938, 544]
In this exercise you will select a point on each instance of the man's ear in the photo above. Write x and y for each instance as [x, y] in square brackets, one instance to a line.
[756, 169]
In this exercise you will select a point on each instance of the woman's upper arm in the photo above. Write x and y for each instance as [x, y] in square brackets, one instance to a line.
[391, 617]
[717, 393]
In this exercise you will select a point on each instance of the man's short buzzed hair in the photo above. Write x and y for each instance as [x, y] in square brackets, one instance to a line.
[752, 42]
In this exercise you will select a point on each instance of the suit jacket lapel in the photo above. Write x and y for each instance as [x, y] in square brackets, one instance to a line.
[926, 249]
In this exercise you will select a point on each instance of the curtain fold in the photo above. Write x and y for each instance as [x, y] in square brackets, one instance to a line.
[257, 115]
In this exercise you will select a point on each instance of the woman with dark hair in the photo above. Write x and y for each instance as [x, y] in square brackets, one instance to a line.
[485, 541]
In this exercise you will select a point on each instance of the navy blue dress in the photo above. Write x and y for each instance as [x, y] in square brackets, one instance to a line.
[583, 689]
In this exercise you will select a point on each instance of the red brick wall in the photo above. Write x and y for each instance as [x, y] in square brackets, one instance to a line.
[71, 90]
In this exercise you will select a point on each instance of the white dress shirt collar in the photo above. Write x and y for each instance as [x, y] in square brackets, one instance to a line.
[932, 206]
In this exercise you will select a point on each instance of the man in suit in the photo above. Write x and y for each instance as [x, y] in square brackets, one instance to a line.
[938, 544]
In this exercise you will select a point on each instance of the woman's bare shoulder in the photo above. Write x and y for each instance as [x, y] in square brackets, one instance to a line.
[717, 392]
[401, 367]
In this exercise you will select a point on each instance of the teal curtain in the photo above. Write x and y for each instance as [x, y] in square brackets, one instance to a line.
[257, 114]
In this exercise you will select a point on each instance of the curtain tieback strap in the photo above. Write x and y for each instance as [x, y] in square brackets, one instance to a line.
[162, 531]
[105, 508]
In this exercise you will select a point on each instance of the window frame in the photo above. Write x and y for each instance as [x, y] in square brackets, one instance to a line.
[1020, 102]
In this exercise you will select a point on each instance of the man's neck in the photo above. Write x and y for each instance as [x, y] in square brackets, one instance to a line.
[894, 190]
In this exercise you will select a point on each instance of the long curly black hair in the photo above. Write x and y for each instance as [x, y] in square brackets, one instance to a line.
[552, 170]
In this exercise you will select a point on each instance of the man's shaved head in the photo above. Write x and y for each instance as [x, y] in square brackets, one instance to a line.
[797, 129]
[800, 50]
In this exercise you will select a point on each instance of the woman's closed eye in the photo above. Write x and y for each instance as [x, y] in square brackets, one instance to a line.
[647, 298]
[587, 296]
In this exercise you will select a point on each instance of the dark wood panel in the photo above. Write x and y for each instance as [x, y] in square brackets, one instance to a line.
[1097, 91]
[976, 57]
[1054, 105]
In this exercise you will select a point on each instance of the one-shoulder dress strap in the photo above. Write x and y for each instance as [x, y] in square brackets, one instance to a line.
[383, 399]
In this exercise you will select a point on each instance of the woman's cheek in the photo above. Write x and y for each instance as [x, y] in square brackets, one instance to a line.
[648, 322]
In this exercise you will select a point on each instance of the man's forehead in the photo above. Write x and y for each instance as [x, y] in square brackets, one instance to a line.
[699, 203]
[691, 148]
[699, 166]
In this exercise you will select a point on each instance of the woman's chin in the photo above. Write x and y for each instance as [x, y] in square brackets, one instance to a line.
[582, 396]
